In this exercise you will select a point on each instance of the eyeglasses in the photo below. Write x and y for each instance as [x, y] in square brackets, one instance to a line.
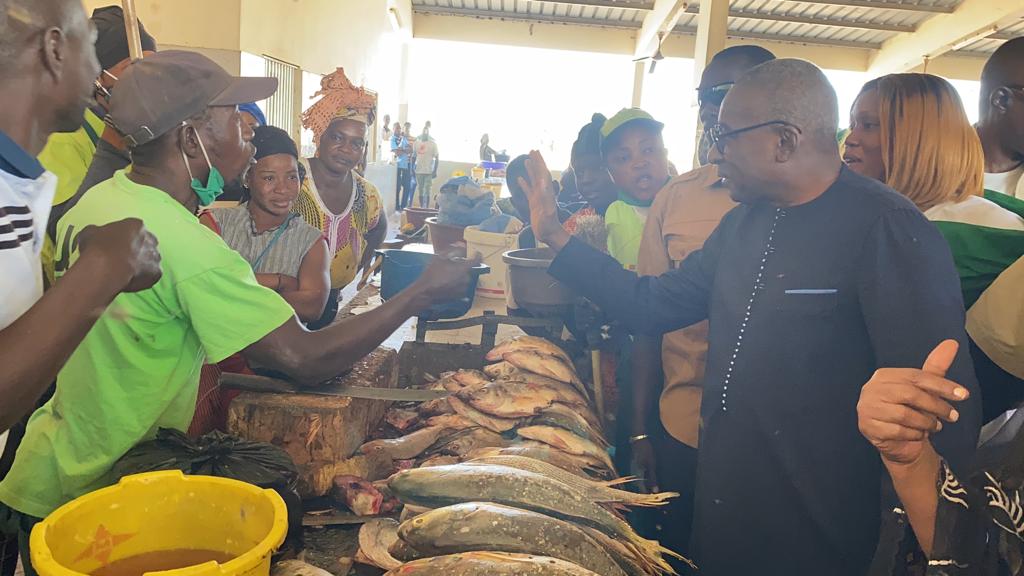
[718, 134]
[713, 95]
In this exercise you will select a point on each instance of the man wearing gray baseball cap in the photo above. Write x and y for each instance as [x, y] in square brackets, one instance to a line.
[138, 369]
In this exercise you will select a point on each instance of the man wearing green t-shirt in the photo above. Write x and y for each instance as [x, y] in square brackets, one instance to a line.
[138, 369]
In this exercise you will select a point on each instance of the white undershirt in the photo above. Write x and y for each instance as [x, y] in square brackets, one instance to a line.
[1005, 182]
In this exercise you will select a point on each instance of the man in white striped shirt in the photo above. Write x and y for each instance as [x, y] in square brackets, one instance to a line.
[47, 67]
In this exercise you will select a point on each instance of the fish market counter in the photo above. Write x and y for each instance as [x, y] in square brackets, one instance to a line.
[488, 438]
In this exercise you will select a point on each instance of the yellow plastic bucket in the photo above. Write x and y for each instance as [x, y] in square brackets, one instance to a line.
[163, 511]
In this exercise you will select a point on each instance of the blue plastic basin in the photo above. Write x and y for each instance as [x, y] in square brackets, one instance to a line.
[401, 268]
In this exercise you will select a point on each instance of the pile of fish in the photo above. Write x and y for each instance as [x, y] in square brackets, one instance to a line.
[509, 474]
[530, 402]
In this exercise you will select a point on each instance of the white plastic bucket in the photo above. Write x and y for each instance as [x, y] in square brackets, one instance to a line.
[491, 246]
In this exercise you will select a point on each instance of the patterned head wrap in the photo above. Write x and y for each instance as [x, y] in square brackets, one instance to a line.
[340, 99]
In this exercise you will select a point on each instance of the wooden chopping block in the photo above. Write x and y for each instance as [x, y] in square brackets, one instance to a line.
[319, 432]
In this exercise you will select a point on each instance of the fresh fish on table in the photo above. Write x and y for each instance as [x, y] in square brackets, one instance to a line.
[375, 540]
[545, 365]
[597, 491]
[472, 439]
[405, 447]
[435, 407]
[451, 421]
[567, 394]
[532, 343]
[493, 423]
[460, 380]
[579, 465]
[358, 494]
[573, 420]
[625, 558]
[401, 419]
[297, 568]
[439, 460]
[490, 563]
[510, 399]
[503, 371]
[567, 442]
[481, 526]
[447, 485]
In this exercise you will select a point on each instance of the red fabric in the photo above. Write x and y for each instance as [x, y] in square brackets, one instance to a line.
[212, 403]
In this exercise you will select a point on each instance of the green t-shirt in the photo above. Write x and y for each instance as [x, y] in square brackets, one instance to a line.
[625, 225]
[138, 369]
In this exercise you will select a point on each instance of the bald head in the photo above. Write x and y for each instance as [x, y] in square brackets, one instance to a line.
[21, 20]
[793, 91]
[47, 67]
[1001, 126]
[1005, 67]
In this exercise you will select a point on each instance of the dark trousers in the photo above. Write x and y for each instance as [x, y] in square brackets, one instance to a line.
[403, 189]
[671, 525]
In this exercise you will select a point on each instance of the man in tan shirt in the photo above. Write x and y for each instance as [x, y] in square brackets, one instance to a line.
[682, 217]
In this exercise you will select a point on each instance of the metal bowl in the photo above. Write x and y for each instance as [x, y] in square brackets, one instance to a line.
[533, 289]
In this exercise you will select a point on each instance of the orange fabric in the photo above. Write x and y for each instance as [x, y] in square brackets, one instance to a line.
[682, 217]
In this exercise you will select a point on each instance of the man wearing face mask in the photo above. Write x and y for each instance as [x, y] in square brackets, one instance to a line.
[83, 158]
[138, 369]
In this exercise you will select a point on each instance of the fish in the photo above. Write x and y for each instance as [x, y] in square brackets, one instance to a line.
[471, 439]
[579, 465]
[567, 394]
[545, 365]
[493, 423]
[358, 494]
[401, 419]
[585, 414]
[490, 563]
[297, 568]
[532, 343]
[455, 382]
[502, 370]
[459, 483]
[439, 460]
[567, 442]
[623, 556]
[481, 526]
[510, 399]
[409, 446]
[561, 416]
[435, 407]
[451, 422]
[375, 540]
[600, 492]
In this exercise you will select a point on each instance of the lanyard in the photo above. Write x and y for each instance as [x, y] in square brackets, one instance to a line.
[277, 235]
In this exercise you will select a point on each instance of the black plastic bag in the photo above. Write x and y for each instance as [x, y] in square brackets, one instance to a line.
[225, 456]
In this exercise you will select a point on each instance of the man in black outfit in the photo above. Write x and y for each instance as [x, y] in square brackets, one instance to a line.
[816, 280]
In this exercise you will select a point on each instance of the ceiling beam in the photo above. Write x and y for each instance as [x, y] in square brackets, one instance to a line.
[526, 17]
[660, 20]
[623, 4]
[881, 4]
[971, 21]
[749, 15]
[620, 24]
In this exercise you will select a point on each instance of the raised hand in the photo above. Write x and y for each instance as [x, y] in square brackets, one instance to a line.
[128, 249]
[543, 208]
[900, 408]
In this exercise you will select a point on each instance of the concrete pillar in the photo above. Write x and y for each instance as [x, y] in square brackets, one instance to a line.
[639, 69]
[403, 85]
[712, 29]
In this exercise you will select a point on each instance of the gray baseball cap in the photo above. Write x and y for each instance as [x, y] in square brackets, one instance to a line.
[161, 91]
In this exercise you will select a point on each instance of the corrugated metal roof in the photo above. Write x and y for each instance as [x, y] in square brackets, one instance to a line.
[867, 24]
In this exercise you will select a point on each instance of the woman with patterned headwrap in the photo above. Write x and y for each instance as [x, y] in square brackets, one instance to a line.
[335, 199]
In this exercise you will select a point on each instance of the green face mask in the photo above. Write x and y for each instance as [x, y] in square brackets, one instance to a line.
[214, 184]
